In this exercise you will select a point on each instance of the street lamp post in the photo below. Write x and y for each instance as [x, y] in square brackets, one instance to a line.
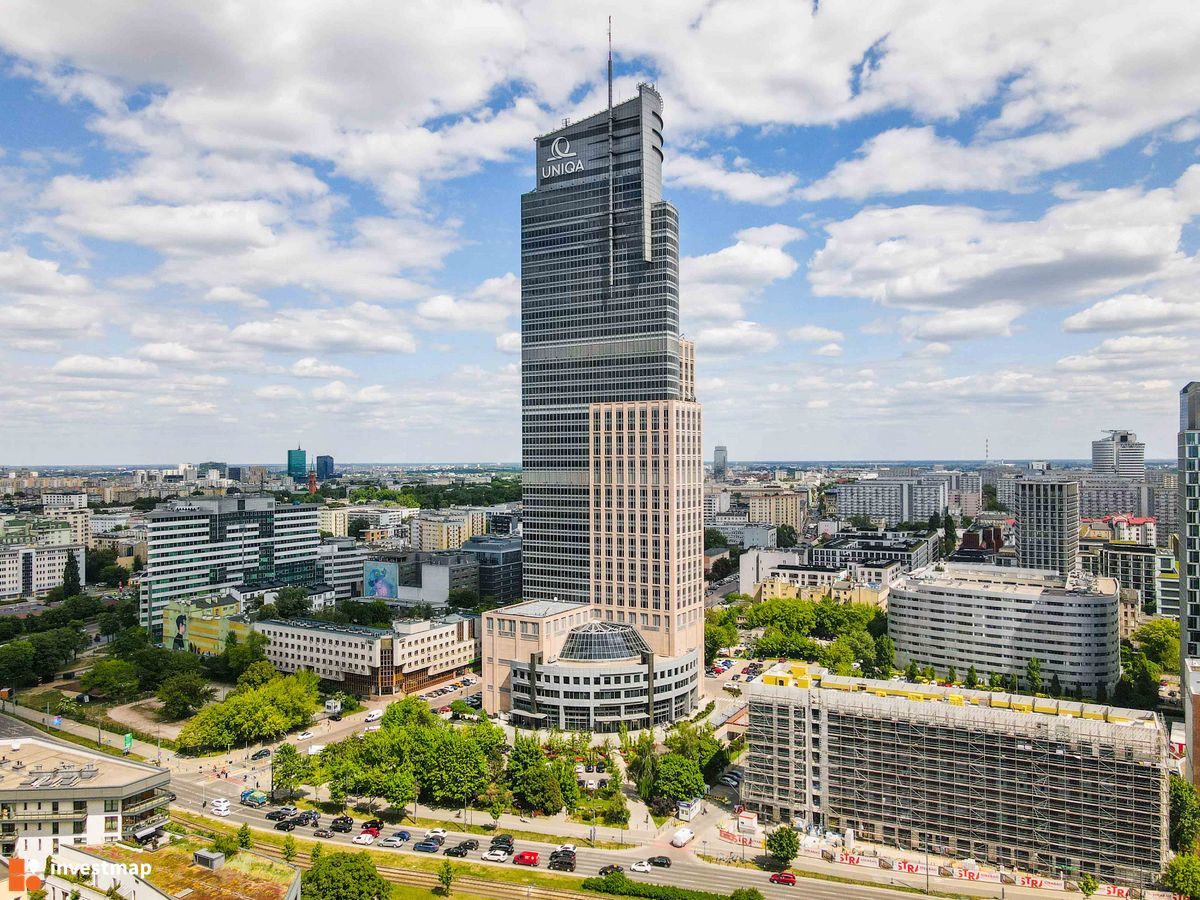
[927, 864]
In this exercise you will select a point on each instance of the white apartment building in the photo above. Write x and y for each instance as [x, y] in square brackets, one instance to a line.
[891, 500]
[1121, 454]
[54, 794]
[715, 502]
[432, 650]
[65, 501]
[997, 618]
[757, 563]
[30, 570]
[340, 564]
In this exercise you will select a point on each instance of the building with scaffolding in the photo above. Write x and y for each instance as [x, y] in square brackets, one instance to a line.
[1038, 785]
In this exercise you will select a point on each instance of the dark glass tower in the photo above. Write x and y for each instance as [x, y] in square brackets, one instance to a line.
[599, 319]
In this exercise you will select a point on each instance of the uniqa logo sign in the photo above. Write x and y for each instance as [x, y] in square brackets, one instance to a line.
[563, 160]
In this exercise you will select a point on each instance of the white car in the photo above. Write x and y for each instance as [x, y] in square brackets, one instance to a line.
[591, 784]
[289, 810]
[436, 833]
[495, 855]
[304, 736]
[365, 838]
[220, 807]
[374, 715]
[641, 865]
[570, 848]
[392, 841]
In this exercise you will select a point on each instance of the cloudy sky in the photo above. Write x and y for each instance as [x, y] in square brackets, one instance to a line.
[228, 227]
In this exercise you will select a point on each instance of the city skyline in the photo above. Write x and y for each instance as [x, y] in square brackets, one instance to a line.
[996, 239]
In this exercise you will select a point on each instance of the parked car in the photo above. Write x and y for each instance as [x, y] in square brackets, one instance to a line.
[526, 858]
[335, 718]
[426, 846]
[783, 878]
[496, 854]
[364, 838]
[323, 833]
[261, 754]
[661, 862]
[609, 870]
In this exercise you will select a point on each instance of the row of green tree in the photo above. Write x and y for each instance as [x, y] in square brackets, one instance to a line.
[264, 706]
[501, 489]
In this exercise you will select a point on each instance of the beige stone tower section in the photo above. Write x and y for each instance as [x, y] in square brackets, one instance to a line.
[646, 505]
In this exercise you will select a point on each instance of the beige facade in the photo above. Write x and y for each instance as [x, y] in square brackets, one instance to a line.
[780, 509]
[79, 519]
[335, 520]
[447, 530]
[518, 632]
[646, 484]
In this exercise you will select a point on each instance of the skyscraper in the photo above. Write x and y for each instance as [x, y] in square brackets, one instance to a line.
[720, 461]
[1047, 513]
[324, 468]
[297, 464]
[1120, 454]
[1189, 519]
[611, 430]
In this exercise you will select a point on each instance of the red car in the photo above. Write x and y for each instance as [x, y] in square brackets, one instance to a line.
[372, 831]
[783, 878]
[526, 858]
[745, 670]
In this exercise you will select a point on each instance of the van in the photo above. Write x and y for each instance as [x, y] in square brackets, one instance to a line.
[682, 836]
[374, 715]
[315, 749]
[220, 807]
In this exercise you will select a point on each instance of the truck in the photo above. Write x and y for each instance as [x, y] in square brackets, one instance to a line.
[256, 799]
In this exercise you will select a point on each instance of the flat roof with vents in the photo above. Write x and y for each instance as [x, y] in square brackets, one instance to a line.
[33, 765]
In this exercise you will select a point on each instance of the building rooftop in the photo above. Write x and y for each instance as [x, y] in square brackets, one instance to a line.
[598, 641]
[1009, 579]
[34, 764]
[330, 627]
[540, 609]
[247, 876]
[807, 675]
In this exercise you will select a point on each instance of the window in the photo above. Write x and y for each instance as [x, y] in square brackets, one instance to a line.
[110, 824]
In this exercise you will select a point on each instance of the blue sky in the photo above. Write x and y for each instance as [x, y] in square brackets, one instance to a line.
[906, 226]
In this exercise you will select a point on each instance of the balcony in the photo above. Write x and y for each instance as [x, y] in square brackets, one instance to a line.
[43, 815]
[137, 806]
[147, 823]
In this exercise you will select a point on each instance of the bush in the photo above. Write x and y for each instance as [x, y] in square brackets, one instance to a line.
[618, 884]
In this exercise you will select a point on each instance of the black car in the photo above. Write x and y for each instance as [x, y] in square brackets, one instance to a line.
[600, 767]
[261, 754]
[589, 768]
[435, 839]
[609, 870]
[342, 827]
[502, 839]
[343, 820]
[661, 861]
[562, 864]
[322, 833]
[469, 844]
[562, 854]
[373, 823]
[335, 718]
[458, 850]
[286, 825]
[276, 815]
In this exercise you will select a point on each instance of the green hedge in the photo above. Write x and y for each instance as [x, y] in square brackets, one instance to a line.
[617, 883]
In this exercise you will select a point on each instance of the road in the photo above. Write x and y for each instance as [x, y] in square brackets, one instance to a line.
[715, 596]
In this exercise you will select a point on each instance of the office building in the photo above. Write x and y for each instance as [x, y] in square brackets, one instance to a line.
[499, 558]
[550, 664]
[720, 461]
[340, 564]
[54, 795]
[612, 462]
[1120, 454]
[1188, 447]
[759, 534]
[780, 509]
[419, 578]
[203, 624]
[1135, 567]
[1167, 584]
[199, 545]
[297, 464]
[30, 570]
[715, 503]
[998, 618]
[911, 549]
[1035, 785]
[372, 662]
[65, 501]
[891, 500]
[235, 473]
[1047, 514]
[324, 468]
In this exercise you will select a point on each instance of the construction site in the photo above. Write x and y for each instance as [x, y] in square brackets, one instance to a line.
[1052, 787]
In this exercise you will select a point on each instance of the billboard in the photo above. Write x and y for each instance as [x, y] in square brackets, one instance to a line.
[380, 580]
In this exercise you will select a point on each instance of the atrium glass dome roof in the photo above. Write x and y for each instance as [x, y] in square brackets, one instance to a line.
[594, 641]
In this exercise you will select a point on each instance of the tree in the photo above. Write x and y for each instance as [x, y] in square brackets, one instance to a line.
[784, 844]
[288, 769]
[1184, 816]
[1033, 675]
[746, 893]
[616, 812]
[949, 534]
[357, 526]
[716, 637]
[679, 778]
[315, 853]
[885, 656]
[257, 674]
[183, 694]
[240, 654]
[1183, 875]
[1159, 640]
[244, 838]
[344, 876]
[785, 536]
[289, 848]
[227, 844]
[1056, 688]
[292, 600]
[972, 678]
[951, 675]
[70, 583]
[913, 671]
[1087, 884]
[714, 538]
[113, 679]
[446, 877]
[463, 598]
